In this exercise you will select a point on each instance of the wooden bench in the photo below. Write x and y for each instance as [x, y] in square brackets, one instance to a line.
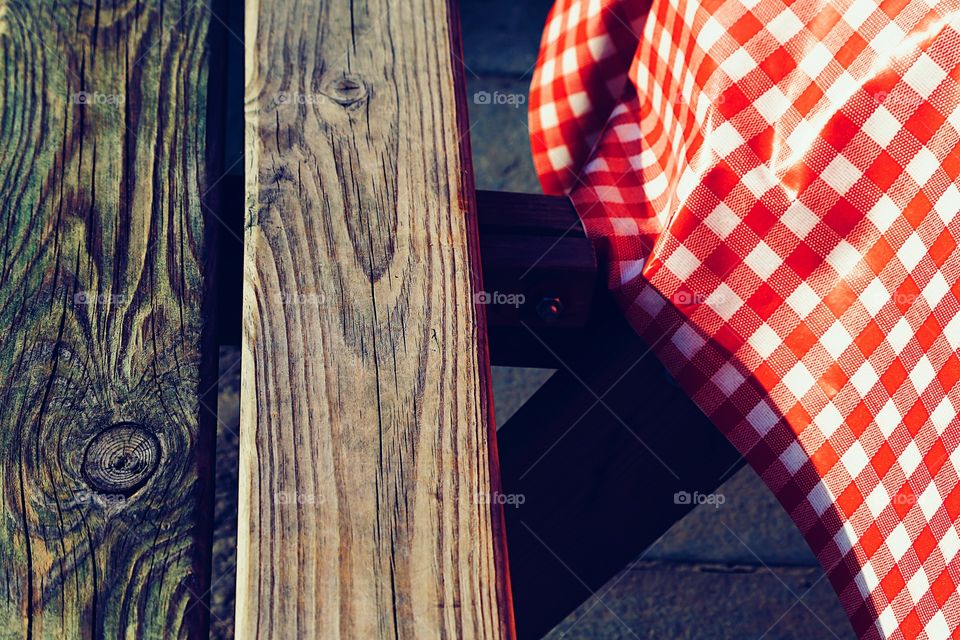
[377, 287]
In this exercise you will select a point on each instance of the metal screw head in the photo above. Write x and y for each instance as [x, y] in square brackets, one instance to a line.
[549, 308]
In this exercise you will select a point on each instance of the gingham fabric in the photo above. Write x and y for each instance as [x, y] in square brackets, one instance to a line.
[773, 190]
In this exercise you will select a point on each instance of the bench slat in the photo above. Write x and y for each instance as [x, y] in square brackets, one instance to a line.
[105, 362]
[366, 421]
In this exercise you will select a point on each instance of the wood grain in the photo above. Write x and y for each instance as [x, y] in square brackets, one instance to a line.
[367, 440]
[104, 362]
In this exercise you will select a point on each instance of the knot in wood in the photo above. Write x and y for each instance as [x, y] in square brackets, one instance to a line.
[121, 458]
[346, 90]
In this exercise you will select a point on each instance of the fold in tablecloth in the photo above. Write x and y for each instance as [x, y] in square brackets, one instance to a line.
[773, 189]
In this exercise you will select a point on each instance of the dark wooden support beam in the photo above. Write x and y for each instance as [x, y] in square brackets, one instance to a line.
[597, 455]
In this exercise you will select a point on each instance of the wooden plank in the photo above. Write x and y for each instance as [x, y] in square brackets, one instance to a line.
[367, 443]
[598, 454]
[106, 359]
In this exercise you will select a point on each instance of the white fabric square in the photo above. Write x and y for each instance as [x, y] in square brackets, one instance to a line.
[625, 227]
[923, 165]
[579, 103]
[548, 71]
[943, 415]
[858, 12]
[568, 62]
[728, 379]
[600, 47]
[759, 181]
[866, 580]
[912, 252]
[952, 332]
[722, 220]
[930, 501]
[785, 26]
[922, 374]
[815, 60]
[887, 38]
[841, 174]
[887, 621]
[687, 341]
[878, 500]
[548, 116]
[948, 205]
[650, 300]
[803, 300]
[865, 378]
[763, 260]
[884, 213]
[772, 104]
[798, 380]
[949, 544]
[828, 420]
[765, 341]
[918, 584]
[844, 257]
[738, 64]
[898, 541]
[910, 459]
[855, 459]
[881, 126]
[629, 269]
[725, 139]
[899, 337]
[888, 418]
[682, 262]
[924, 75]
[874, 296]
[560, 157]
[937, 628]
[709, 33]
[820, 498]
[836, 339]
[724, 301]
[762, 418]
[794, 457]
[799, 219]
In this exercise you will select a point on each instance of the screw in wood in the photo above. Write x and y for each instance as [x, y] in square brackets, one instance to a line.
[549, 308]
[121, 459]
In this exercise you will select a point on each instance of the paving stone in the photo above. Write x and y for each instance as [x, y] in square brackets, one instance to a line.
[749, 526]
[659, 601]
[499, 135]
[512, 386]
[502, 37]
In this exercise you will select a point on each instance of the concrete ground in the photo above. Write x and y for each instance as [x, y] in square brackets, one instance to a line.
[740, 571]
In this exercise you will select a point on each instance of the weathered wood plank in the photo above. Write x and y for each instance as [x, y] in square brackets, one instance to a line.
[104, 363]
[367, 440]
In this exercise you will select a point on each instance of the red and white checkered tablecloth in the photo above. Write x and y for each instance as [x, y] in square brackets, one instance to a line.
[773, 187]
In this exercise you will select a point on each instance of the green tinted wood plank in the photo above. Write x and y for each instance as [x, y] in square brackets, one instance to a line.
[104, 361]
